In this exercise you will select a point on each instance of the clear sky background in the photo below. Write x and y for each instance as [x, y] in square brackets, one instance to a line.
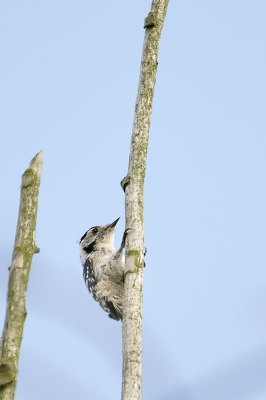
[69, 76]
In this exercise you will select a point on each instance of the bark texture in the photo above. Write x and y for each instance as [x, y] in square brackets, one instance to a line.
[24, 248]
[133, 185]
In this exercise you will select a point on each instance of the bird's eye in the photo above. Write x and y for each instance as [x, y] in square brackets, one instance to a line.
[95, 230]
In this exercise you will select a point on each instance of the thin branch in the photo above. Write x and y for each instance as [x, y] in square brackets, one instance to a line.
[133, 185]
[24, 248]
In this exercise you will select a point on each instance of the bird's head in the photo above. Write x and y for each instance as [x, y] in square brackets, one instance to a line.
[97, 237]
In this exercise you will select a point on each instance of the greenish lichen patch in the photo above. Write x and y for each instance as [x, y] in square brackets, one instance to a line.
[135, 271]
[6, 375]
[27, 178]
[133, 253]
[136, 254]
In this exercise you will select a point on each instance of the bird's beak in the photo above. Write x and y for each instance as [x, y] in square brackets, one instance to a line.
[113, 224]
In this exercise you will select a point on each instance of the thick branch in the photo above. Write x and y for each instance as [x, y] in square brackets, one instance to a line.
[24, 248]
[133, 186]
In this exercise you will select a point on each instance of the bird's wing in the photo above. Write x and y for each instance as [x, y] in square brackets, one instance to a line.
[110, 296]
[89, 277]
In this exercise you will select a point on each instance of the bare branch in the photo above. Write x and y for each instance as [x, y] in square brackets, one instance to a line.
[133, 185]
[24, 248]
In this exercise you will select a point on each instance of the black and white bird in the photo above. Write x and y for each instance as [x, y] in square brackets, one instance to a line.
[103, 267]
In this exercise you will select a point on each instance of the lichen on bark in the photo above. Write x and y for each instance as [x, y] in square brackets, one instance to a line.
[24, 248]
[133, 185]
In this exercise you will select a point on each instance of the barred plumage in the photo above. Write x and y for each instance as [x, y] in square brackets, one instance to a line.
[103, 268]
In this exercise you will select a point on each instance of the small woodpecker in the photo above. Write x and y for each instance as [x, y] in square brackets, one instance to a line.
[103, 267]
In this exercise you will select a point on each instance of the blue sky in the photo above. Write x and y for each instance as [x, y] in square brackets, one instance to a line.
[69, 73]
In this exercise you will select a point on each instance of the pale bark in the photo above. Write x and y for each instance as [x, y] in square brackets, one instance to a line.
[133, 185]
[24, 248]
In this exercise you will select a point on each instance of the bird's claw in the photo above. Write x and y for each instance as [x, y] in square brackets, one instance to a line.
[123, 243]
